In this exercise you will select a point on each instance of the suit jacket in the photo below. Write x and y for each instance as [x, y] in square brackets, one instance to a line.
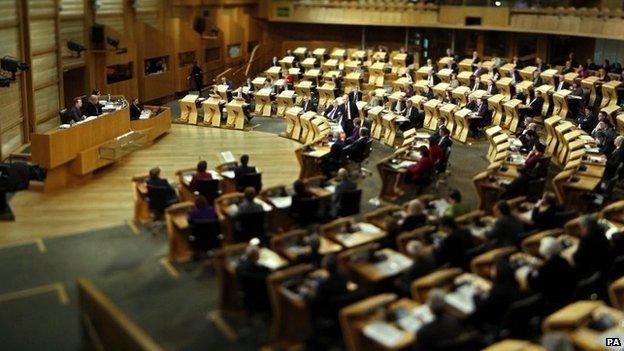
[358, 147]
[593, 254]
[505, 232]
[537, 82]
[587, 122]
[517, 77]
[562, 85]
[342, 187]
[248, 207]
[476, 86]
[428, 95]
[91, 109]
[536, 106]
[135, 112]
[554, 280]
[241, 170]
[452, 249]
[402, 107]
[353, 94]
[445, 143]
[482, 110]
[309, 105]
[74, 115]
[613, 162]
[433, 335]
[332, 113]
[492, 90]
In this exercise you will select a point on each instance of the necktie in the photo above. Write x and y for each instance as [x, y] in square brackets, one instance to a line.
[305, 106]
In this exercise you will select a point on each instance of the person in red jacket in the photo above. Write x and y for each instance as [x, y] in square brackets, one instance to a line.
[201, 174]
[420, 172]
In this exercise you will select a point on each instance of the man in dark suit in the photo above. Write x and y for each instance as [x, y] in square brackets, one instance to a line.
[534, 108]
[554, 279]
[334, 159]
[452, 249]
[197, 75]
[537, 80]
[355, 95]
[92, 107]
[541, 66]
[506, 229]
[248, 205]
[243, 168]
[515, 76]
[251, 276]
[412, 113]
[344, 185]
[587, 120]
[156, 181]
[615, 159]
[349, 112]
[562, 84]
[444, 142]
[308, 104]
[275, 62]
[479, 118]
[491, 88]
[74, 114]
[358, 147]
[135, 110]
[427, 93]
[476, 85]
[594, 250]
[443, 329]
[399, 106]
[333, 112]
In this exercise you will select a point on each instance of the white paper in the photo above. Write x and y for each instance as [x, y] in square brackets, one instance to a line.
[462, 299]
[281, 201]
[368, 228]
[384, 333]
[228, 156]
[228, 174]
[416, 319]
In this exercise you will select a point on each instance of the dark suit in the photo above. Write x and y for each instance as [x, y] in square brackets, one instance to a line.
[241, 170]
[332, 113]
[342, 187]
[349, 113]
[74, 115]
[593, 254]
[91, 109]
[445, 143]
[587, 122]
[135, 112]
[554, 280]
[492, 89]
[309, 105]
[505, 232]
[546, 219]
[537, 82]
[416, 120]
[432, 336]
[353, 94]
[162, 183]
[533, 109]
[358, 147]
[452, 249]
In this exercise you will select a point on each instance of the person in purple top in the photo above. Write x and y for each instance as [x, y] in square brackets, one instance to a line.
[202, 210]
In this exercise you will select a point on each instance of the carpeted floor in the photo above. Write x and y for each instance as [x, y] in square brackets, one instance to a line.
[127, 268]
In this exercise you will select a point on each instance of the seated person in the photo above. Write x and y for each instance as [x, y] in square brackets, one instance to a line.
[155, 180]
[314, 256]
[202, 210]
[534, 108]
[308, 104]
[334, 159]
[434, 335]
[355, 132]
[420, 172]
[594, 253]
[357, 149]
[529, 139]
[135, 110]
[456, 208]
[490, 306]
[534, 156]
[74, 114]
[200, 174]
[343, 186]
[243, 168]
[248, 205]
[393, 230]
[587, 120]
[544, 214]
[398, 106]
[301, 192]
[615, 159]
[251, 276]
[453, 247]
[507, 228]
[332, 287]
[554, 279]
[435, 136]
[480, 118]
[423, 264]
[415, 216]
[605, 146]
[92, 107]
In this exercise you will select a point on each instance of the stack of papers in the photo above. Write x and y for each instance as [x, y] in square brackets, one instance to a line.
[394, 265]
[441, 205]
[384, 333]
[281, 201]
[228, 174]
[462, 299]
[416, 319]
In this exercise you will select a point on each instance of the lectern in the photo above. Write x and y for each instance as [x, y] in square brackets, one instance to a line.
[312, 75]
[381, 56]
[512, 115]
[293, 124]
[448, 112]
[287, 62]
[504, 86]
[376, 125]
[352, 81]
[398, 84]
[551, 136]
[395, 96]
[570, 77]
[285, 100]
[431, 113]
[464, 78]
[236, 114]
[320, 54]
[330, 65]
[444, 61]
[222, 89]
[399, 64]
[258, 83]
[273, 73]
[326, 95]
[301, 52]
[547, 92]
[445, 75]
[308, 63]
[188, 109]
[422, 73]
[303, 88]
[351, 66]
[376, 74]
[307, 131]
[527, 72]
[331, 76]
[419, 87]
[561, 103]
[465, 65]
[609, 93]
[548, 76]
[212, 111]
[440, 90]
[338, 55]
[461, 94]
[495, 104]
[505, 70]
[388, 123]
[589, 83]
[462, 125]
[263, 102]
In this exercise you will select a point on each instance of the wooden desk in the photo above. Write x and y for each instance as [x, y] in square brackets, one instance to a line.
[504, 87]
[273, 73]
[141, 207]
[308, 63]
[609, 93]
[156, 125]
[178, 231]
[263, 102]
[590, 83]
[327, 95]
[495, 104]
[285, 100]
[376, 74]
[235, 114]
[431, 113]
[212, 111]
[364, 233]
[514, 345]
[388, 122]
[293, 124]
[441, 278]
[465, 65]
[352, 81]
[374, 272]
[512, 115]
[309, 157]
[560, 99]
[188, 109]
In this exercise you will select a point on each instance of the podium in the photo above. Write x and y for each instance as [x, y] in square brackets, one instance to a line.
[551, 135]
[301, 52]
[547, 92]
[352, 81]
[287, 62]
[320, 54]
[609, 93]
[399, 64]
[504, 86]
[448, 112]
[611, 111]
[498, 141]
[263, 102]
[388, 123]
[308, 63]
[293, 125]
[417, 101]
[258, 83]
[395, 96]
[619, 122]
[560, 99]
[376, 74]
[188, 109]
[330, 65]
[505, 70]
[570, 77]
[326, 95]
[320, 128]
[236, 114]
[222, 89]
[420, 86]
[212, 111]
[512, 115]
[422, 73]
[330, 76]
[445, 75]
[351, 66]
[303, 88]
[285, 100]
[440, 89]
[465, 65]
[376, 125]
[273, 73]
[431, 113]
[380, 56]
[525, 86]
[462, 125]
[548, 76]
[527, 73]
[338, 54]
[444, 61]
[589, 83]
[464, 78]
[398, 84]
[461, 94]
[312, 75]
[307, 131]
[495, 104]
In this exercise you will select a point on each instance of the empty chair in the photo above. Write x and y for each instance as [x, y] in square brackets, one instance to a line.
[206, 235]
[248, 226]
[159, 198]
[253, 180]
[208, 188]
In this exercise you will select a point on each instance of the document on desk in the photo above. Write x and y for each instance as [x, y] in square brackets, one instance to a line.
[384, 333]
[368, 228]
[266, 207]
[462, 299]
[417, 317]
[395, 264]
[228, 156]
[281, 201]
[270, 259]
[187, 177]
[215, 175]
[440, 205]
[422, 135]
[228, 174]
[319, 152]
[330, 188]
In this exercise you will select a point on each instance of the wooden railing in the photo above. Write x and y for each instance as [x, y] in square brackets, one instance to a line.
[105, 326]
[259, 60]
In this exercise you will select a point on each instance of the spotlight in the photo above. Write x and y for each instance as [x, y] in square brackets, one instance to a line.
[12, 65]
[497, 3]
[114, 42]
[75, 46]
[5, 82]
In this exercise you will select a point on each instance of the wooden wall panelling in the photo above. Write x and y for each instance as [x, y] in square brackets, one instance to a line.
[184, 39]
[102, 60]
[8, 14]
[12, 115]
[159, 85]
[71, 8]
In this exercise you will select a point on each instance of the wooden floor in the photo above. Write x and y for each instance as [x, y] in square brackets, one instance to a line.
[106, 199]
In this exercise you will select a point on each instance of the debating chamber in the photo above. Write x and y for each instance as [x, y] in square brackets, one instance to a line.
[310, 175]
